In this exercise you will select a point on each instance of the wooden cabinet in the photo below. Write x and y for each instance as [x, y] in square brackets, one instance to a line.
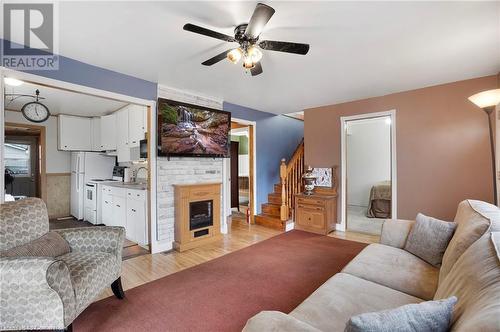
[315, 213]
[108, 132]
[136, 125]
[74, 133]
[96, 134]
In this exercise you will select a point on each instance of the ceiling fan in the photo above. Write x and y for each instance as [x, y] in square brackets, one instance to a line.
[247, 35]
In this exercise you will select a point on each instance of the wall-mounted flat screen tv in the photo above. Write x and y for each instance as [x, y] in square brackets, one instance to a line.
[191, 130]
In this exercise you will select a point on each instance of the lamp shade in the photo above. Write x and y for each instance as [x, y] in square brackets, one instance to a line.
[486, 99]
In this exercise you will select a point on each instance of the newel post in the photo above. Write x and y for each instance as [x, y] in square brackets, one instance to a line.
[284, 207]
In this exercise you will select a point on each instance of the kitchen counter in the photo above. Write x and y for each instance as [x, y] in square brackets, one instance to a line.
[128, 185]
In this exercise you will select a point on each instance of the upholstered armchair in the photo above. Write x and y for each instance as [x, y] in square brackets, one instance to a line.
[49, 278]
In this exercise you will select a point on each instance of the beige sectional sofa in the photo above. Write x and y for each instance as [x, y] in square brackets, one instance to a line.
[384, 276]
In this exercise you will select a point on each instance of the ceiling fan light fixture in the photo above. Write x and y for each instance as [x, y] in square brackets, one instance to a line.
[248, 62]
[254, 53]
[234, 55]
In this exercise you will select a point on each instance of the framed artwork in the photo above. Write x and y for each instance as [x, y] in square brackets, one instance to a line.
[326, 180]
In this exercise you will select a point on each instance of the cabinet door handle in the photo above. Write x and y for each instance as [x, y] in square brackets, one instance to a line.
[138, 195]
[134, 210]
[106, 202]
[129, 194]
[118, 205]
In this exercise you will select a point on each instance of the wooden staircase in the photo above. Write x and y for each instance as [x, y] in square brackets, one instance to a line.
[277, 212]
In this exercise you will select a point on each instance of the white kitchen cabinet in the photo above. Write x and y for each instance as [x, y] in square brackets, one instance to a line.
[74, 133]
[137, 221]
[96, 134]
[107, 208]
[136, 125]
[122, 144]
[108, 132]
[119, 211]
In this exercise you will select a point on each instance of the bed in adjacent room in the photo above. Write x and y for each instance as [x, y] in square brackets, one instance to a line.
[379, 204]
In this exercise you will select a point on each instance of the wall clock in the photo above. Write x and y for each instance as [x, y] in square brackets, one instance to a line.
[35, 111]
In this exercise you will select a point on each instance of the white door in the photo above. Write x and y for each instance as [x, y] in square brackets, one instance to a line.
[136, 221]
[108, 132]
[107, 209]
[136, 125]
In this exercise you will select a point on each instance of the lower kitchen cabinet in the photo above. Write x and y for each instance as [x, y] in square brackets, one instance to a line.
[127, 208]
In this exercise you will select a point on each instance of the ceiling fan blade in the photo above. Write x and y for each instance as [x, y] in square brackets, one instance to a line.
[257, 69]
[279, 46]
[208, 32]
[215, 59]
[261, 15]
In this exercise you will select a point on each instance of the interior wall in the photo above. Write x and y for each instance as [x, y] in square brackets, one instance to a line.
[442, 141]
[368, 157]
[276, 137]
[56, 161]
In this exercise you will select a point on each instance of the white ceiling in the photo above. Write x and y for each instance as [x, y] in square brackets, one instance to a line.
[358, 49]
[61, 101]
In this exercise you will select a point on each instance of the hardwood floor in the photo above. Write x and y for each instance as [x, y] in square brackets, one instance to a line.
[140, 270]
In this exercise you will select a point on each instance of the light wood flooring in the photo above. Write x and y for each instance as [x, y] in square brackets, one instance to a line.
[140, 270]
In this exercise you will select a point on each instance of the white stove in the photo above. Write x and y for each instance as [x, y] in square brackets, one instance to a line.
[93, 209]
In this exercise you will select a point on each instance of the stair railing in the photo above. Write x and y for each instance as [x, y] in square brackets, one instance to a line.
[291, 181]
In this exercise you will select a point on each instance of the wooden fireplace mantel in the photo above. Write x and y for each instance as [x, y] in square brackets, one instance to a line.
[185, 238]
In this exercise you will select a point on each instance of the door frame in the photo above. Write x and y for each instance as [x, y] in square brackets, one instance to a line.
[252, 147]
[343, 177]
[42, 171]
[154, 246]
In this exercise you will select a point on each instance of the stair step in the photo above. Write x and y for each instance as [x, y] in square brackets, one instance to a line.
[270, 221]
[271, 209]
[274, 198]
[277, 188]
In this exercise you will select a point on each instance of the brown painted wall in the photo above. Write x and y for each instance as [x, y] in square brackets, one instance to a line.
[442, 144]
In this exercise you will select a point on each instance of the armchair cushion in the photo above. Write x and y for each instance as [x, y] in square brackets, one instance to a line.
[48, 245]
[91, 273]
[22, 221]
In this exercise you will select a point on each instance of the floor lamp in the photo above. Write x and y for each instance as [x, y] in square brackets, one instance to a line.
[488, 100]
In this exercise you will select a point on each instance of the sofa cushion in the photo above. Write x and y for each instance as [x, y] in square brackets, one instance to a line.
[432, 316]
[49, 245]
[343, 296]
[22, 221]
[276, 321]
[91, 273]
[475, 281]
[395, 268]
[429, 238]
[473, 220]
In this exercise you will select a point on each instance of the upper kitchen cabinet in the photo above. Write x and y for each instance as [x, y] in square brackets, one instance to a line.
[108, 132]
[74, 133]
[122, 135]
[96, 134]
[136, 124]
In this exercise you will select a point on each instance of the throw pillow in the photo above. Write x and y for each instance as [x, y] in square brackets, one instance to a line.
[429, 238]
[49, 245]
[425, 316]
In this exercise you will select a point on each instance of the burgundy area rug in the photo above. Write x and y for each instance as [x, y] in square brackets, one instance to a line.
[222, 294]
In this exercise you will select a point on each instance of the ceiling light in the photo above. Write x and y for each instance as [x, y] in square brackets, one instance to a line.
[255, 54]
[248, 63]
[234, 55]
[486, 99]
[12, 81]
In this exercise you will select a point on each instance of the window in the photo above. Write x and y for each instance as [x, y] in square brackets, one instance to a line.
[18, 159]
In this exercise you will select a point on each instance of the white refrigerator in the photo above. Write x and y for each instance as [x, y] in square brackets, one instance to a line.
[86, 166]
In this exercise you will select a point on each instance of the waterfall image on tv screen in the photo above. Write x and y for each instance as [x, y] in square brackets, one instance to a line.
[185, 129]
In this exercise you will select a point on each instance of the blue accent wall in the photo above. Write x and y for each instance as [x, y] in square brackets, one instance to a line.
[77, 72]
[277, 137]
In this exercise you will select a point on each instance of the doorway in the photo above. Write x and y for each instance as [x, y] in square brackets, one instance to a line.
[368, 172]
